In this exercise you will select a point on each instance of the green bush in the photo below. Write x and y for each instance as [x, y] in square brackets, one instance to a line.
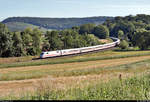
[124, 44]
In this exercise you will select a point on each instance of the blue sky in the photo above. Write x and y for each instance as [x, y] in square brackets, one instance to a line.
[72, 8]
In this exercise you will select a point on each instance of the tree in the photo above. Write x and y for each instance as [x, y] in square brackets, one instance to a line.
[36, 41]
[76, 28]
[5, 41]
[148, 27]
[75, 39]
[127, 27]
[86, 28]
[142, 39]
[101, 31]
[17, 44]
[120, 34]
[45, 45]
[91, 40]
[27, 41]
[54, 40]
[124, 44]
[82, 42]
[67, 38]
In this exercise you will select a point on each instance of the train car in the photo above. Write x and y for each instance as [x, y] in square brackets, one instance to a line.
[80, 50]
[70, 51]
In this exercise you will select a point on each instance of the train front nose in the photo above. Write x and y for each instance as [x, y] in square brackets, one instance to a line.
[41, 55]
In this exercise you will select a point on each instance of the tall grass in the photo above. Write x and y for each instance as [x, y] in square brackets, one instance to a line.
[135, 88]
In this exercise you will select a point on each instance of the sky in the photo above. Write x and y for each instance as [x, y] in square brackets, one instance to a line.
[72, 8]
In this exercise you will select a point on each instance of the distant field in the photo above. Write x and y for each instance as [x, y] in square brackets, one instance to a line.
[76, 77]
[20, 26]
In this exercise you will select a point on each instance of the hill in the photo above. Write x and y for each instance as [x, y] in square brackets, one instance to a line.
[52, 23]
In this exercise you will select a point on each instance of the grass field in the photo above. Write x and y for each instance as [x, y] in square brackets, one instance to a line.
[136, 88]
[89, 76]
[20, 26]
[104, 55]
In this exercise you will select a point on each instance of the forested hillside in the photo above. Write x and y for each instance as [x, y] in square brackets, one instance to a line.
[132, 30]
[54, 23]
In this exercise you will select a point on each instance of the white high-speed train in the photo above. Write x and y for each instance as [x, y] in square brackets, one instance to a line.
[80, 50]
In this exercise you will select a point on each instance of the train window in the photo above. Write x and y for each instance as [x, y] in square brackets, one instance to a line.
[57, 51]
[47, 53]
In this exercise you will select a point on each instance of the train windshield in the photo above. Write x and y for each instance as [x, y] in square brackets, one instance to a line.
[42, 53]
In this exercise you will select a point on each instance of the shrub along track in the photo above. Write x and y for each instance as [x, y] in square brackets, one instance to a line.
[64, 76]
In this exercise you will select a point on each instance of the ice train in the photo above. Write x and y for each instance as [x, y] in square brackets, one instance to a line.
[64, 52]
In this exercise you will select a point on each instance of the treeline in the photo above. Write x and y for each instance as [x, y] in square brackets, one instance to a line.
[134, 31]
[56, 23]
[33, 41]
